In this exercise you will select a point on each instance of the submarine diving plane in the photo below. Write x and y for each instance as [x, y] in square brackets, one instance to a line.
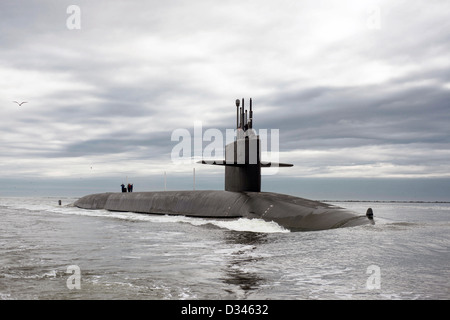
[242, 197]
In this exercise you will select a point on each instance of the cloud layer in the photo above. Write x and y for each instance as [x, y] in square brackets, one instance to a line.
[352, 96]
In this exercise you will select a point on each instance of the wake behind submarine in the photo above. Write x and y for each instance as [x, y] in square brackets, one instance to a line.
[242, 197]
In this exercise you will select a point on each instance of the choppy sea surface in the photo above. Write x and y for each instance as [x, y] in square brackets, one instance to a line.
[48, 251]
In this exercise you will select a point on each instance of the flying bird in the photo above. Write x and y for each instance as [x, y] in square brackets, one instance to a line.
[21, 103]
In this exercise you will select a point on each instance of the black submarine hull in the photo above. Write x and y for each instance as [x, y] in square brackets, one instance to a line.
[292, 213]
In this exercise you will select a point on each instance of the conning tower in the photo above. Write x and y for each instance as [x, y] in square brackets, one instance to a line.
[243, 156]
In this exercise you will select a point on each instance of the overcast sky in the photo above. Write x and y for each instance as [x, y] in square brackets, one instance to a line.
[358, 89]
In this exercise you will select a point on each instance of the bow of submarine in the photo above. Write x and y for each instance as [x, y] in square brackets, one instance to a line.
[299, 214]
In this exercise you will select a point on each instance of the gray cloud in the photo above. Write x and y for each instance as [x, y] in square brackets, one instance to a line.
[117, 88]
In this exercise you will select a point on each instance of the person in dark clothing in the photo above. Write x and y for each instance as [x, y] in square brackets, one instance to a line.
[123, 188]
[131, 188]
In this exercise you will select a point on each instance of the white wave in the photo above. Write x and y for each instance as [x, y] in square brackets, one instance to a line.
[5, 296]
[240, 224]
[252, 225]
[51, 205]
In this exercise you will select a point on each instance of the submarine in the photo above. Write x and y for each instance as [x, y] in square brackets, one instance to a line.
[242, 197]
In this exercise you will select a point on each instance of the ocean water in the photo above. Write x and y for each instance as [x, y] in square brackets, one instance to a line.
[49, 251]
